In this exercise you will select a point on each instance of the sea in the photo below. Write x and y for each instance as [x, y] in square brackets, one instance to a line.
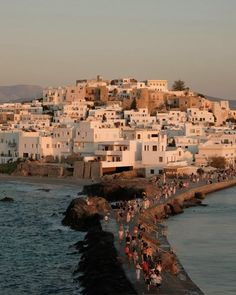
[204, 239]
[36, 251]
[37, 254]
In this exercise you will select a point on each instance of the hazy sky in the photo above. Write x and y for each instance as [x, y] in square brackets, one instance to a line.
[53, 42]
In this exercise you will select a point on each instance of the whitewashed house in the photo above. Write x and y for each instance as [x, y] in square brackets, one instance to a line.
[9, 144]
[116, 156]
[90, 133]
[139, 118]
[200, 116]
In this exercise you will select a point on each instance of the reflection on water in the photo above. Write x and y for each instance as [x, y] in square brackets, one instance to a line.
[205, 241]
[35, 257]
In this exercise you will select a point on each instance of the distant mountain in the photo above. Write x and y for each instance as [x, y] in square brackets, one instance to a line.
[20, 93]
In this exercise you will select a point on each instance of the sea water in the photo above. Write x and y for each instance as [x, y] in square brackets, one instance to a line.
[204, 239]
[36, 256]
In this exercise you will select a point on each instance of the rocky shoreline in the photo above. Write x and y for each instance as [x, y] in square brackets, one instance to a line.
[179, 283]
[182, 283]
[99, 270]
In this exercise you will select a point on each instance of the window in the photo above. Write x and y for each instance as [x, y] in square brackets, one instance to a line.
[154, 148]
[152, 171]
[139, 136]
[160, 159]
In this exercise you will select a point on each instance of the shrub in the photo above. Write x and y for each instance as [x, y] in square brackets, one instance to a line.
[8, 168]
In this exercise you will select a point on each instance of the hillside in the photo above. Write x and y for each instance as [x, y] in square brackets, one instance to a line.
[20, 92]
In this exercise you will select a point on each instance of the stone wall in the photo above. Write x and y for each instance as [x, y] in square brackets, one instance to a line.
[87, 170]
[39, 169]
[178, 202]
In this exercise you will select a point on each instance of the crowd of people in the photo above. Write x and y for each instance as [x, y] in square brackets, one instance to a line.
[139, 253]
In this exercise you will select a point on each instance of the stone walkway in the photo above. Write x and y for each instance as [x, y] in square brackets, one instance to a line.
[171, 284]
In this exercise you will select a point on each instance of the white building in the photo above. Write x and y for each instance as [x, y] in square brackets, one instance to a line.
[214, 148]
[54, 96]
[158, 85]
[200, 116]
[90, 133]
[139, 118]
[75, 110]
[171, 118]
[117, 156]
[158, 154]
[9, 144]
[111, 112]
[29, 145]
[59, 144]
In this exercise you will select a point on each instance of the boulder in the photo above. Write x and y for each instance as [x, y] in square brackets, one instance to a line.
[169, 263]
[199, 195]
[99, 268]
[116, 190]
[7, 200]
[176, 207]
[84, 213]
[192, 203]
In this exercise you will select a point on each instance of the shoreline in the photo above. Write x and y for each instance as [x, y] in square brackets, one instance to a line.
[48, 180]
[172, 284]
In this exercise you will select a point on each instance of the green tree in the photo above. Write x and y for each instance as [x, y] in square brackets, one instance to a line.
[200, 171]
[178, 85]
[133, 105]
[218, 162]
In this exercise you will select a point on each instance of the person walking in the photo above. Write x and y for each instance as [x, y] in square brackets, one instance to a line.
[138, 271]
[121, 234]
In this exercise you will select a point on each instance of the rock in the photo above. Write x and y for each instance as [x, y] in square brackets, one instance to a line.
[167, 209]
[176, 207]
[117, 190]
[192, 203]
[99, 269]
[7, 200]
[84, 213]
[199, 195]
[169, 263]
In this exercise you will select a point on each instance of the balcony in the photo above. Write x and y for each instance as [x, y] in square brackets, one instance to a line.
[12, 144]
[108, 153]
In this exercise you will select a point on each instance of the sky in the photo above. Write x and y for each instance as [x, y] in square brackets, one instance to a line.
[55, 42]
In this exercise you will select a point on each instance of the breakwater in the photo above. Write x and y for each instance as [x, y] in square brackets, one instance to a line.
[175, 279]
[99, 270]
[183, 199]
[180, 283]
